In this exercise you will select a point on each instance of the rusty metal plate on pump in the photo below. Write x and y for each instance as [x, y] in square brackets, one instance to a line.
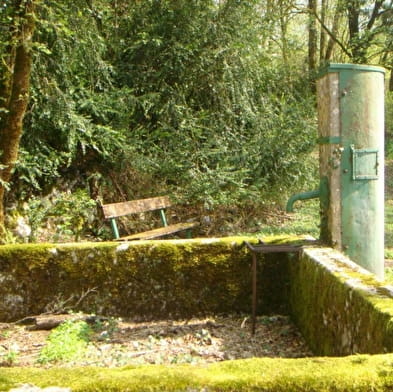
[364, 164]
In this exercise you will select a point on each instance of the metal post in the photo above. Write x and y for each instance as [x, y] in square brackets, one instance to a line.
[263, 249]
[254, 292]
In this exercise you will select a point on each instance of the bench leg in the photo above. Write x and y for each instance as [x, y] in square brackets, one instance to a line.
[163, 218]
[115, 230]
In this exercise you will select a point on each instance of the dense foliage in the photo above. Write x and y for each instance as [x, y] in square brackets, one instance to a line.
[211, 117]
[209, 101]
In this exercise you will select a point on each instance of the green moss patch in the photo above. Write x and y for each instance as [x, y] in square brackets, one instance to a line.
[354, 373]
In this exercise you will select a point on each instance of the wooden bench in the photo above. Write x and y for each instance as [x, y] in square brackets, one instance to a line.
[116, 210]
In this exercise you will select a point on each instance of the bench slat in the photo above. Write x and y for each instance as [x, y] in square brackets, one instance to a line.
[160, 232]
[115, 210]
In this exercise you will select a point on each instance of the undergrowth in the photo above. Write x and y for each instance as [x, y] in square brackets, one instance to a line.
[304, 221]
[69, 340]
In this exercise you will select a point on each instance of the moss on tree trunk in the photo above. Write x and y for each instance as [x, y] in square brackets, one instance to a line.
[15, 91]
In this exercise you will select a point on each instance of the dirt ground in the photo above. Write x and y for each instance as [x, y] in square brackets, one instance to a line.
[197, 340]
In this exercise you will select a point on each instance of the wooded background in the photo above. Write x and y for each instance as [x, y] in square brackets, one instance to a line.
[209, 101]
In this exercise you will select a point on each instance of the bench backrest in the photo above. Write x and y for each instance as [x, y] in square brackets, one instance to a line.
[114, 210]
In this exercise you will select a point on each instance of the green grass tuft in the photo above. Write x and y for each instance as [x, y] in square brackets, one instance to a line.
[69, 340]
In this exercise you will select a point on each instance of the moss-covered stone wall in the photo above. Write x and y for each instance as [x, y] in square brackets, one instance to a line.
[151, 279]
[340, 307]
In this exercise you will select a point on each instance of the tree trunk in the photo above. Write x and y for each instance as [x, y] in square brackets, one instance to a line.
[1, 212]
[15, 92]
[353, 11]
[361, 39]
[312, 36]
[323, 34]
[335, 28]
[284, 36]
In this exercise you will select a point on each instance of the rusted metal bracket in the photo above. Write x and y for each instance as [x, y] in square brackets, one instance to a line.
[329, 140]
[261, 247]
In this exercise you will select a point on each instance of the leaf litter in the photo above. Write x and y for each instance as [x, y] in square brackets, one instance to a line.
[117, 342]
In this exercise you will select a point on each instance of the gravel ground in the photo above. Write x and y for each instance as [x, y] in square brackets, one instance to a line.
[197, 340]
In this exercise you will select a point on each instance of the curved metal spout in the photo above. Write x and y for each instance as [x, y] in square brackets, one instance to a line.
[301, 196]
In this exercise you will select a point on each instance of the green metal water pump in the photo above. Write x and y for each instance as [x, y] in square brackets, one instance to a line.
[351, 162]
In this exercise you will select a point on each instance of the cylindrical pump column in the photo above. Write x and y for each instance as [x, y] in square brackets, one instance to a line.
[351, 130]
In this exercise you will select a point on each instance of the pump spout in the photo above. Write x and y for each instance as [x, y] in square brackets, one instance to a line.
[301, 196]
